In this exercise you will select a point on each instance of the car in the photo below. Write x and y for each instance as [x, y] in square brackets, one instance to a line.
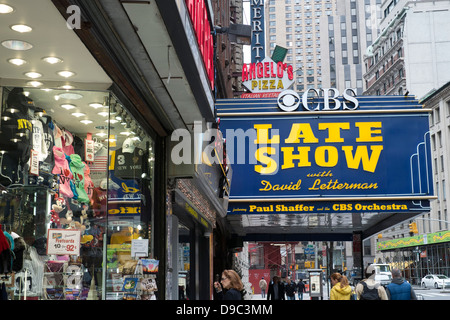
[436, 281]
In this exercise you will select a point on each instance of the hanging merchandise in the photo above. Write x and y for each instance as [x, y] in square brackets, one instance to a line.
[6, 253]
[62, 169]
[77, 168]
[67, 140]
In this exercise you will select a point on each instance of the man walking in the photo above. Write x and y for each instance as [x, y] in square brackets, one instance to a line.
[399, 289]
[263, 287]
[300, 289]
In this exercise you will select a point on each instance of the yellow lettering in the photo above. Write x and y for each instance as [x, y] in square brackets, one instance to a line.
[254, 84]
[302, 156]
[321, 159]
[271, 164]
[262, 134]
[362, 155]
[280, 85]
[334, 131]
[367, 130]
[301, 131]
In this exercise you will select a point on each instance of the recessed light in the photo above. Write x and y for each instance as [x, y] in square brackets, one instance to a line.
[86, 121]
[78, 114]
[33, 75]
[67, 87]
[22, 28]
[66, 74]
[70, 95]
[35, 83]
[125, 133]
[103, 114]
[4, 8]
[17, 61]
[96, 105]
[101, 134]
[68, 106]
[52, 60]
[17, 45]
[112, 121]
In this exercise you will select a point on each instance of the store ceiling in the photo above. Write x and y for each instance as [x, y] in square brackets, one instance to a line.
[51, 37]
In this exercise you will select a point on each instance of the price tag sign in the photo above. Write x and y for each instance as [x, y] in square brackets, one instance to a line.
[63, 241]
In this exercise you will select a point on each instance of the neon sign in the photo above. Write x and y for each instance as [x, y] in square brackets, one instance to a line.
[199, 17]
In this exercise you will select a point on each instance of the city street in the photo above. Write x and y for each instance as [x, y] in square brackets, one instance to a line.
[427, 294]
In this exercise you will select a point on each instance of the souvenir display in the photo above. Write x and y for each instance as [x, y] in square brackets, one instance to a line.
[61, 181]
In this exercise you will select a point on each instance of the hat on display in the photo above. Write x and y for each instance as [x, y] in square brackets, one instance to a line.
[128, 145]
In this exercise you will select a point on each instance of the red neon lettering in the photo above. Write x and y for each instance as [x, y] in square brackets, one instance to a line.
[199, 17]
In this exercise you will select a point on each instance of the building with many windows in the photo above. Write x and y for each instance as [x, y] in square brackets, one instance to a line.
[410, 55]
[326, 39]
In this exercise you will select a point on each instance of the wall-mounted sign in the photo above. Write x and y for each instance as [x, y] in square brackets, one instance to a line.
[198, 13]
[257, 24]
[344, 160]
[267, 76]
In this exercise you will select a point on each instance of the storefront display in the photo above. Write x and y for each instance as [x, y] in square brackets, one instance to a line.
[76, 184]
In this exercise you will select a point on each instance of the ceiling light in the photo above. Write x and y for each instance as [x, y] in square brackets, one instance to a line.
[17, 61]
[17, 45]
[22, 28]
[66, 87]
[70, 95]
[95, 105]
[68, 106]
[101, 134]
[34, 83]
[103, 114]
[112, 121]
[33, 74]
[125, 133]
[66, 74]
[78, 114]
[86, 121]
[52, 60]
[4, 8]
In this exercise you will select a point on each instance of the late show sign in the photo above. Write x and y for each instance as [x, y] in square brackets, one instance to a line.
[372, 158]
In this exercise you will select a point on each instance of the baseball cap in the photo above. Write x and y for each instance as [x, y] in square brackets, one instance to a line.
[128, 145]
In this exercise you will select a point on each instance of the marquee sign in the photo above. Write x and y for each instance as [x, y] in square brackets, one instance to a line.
[373, 156]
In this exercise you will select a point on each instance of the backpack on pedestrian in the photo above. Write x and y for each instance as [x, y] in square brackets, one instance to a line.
[369, 294]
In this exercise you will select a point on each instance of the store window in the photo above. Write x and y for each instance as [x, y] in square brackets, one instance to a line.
[76, 197]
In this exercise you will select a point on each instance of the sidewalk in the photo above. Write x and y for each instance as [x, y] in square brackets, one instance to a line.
[306, 296]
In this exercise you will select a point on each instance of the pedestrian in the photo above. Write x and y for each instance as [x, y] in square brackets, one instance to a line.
[275, 290]
[232, 284]
[263, 287]
[300, 289]
[368, 288]
[341, 289]
[399, 289]
[290, 290]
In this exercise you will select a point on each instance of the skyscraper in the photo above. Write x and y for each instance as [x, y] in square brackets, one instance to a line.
[326, 39]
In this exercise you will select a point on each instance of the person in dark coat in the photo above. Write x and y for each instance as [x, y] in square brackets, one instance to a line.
[399, 289]
[276, 290]
[300, 289]
[290, 289]
[232, 284]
